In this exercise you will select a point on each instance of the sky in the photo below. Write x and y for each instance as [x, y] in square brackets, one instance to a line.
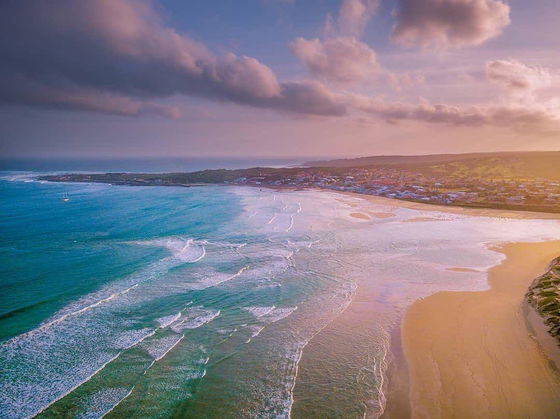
[277, 78]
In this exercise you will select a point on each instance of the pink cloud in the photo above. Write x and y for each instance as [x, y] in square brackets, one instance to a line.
[90, 50]
[449, 23]
[518, 80]
[354, 15]
[340, 60]
[489, 115]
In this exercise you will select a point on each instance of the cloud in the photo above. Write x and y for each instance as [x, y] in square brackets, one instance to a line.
[495, 115]
[354, 15]
[340, 60]
[25, 92]
[117, 56]
[518, 80]
[340, 57]
[449, 23]
[403, 81]
[346, 61]
[308, 97]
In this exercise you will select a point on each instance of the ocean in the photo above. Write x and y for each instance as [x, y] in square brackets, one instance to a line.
[202, 302]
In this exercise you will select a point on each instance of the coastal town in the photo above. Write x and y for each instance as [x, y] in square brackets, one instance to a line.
[533, 194]
[403, 184]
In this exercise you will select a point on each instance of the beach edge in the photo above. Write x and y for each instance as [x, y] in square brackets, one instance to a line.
[426, 394]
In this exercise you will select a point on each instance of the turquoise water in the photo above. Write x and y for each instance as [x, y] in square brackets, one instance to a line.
[201, 302]
[144, 301]
[53, 252]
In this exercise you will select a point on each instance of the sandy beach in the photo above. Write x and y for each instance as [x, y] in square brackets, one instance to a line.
[460, 354]
[471, 354]
[477, 212]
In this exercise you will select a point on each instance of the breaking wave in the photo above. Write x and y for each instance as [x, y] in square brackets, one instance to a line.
[185, 250]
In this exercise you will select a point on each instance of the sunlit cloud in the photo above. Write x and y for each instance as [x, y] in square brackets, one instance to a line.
[518, 80]
[352, 18]
[122, 57]
[537, 116]
[339, 60]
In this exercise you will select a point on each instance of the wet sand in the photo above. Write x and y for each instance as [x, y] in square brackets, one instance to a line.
[381, 214]
[477, 212]
[360, 215]
[425, 219]
[472, 354]
[459, 269]
[480, 359]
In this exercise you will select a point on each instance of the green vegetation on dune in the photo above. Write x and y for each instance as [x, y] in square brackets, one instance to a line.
[501, 165]
[546, 166]
[544, 297]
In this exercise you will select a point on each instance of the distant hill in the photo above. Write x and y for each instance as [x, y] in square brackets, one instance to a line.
[396, 159]
[526, 164]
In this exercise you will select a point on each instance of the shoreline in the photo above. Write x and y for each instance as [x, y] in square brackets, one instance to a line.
[484, 357]
[450, 209]
[399, 388]
[427, 206]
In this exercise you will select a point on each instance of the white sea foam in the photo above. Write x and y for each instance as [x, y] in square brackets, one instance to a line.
[215, 279]
[255, 331]
[277, 314]
[298, 245]
[103, 401]
[259, 311]
[185, 250]
[291, 224]
[67, 315]
[167, 320]
[267, 271]
[379, 371]
[195, 319]
[160, 347]
[202, 361]
[130, 338]
[21, 177]
[223, 244]
[280, 223]
[34, 410]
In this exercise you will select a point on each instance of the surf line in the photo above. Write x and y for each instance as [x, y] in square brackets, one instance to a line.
[119, 402]
[89, 377]
[302, 348]
[153, 361]
[72, 314]
[291, 224]
[201, 256]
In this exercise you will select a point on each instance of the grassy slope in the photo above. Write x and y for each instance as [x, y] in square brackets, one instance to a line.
[521, 165]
